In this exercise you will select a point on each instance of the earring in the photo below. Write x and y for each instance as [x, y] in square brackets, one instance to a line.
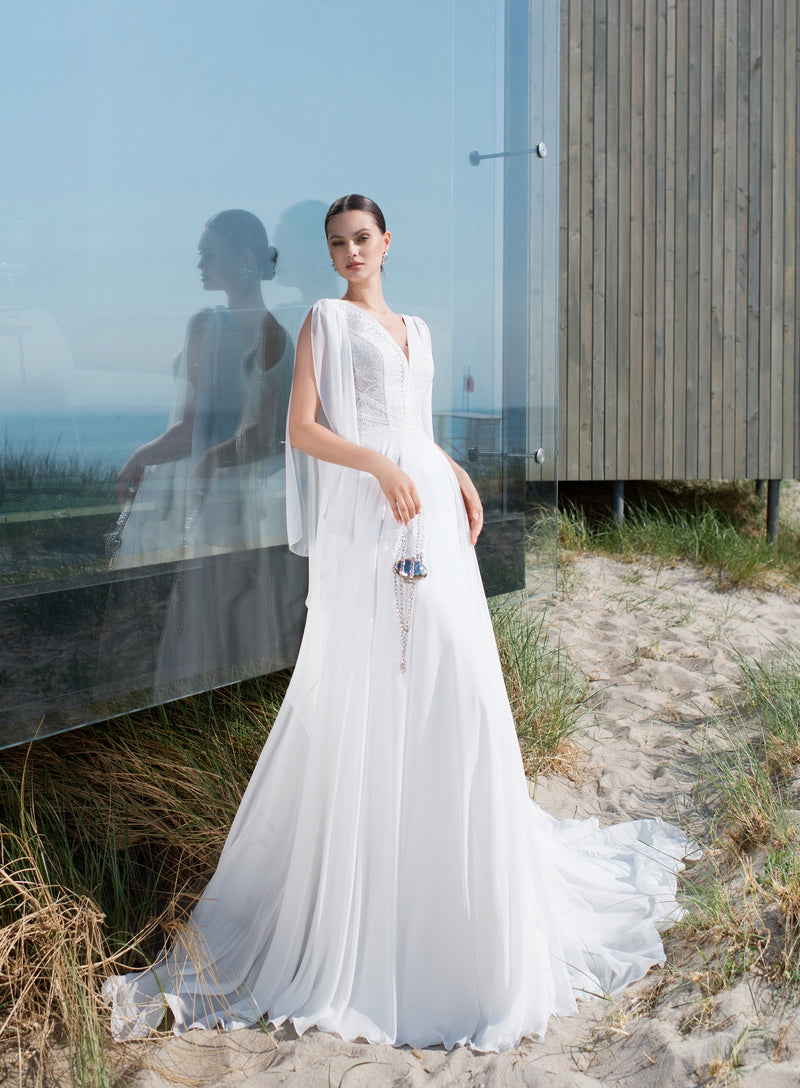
[385, 255]
[333, 263]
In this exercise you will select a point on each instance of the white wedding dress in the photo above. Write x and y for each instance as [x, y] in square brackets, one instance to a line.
[387, 875]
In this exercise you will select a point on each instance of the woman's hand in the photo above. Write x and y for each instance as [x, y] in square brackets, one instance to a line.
[399, 489]
[473, 506]
[129, 479]
[204, 468]
[472, 500]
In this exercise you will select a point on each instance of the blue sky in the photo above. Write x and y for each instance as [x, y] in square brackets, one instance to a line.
[127, 126]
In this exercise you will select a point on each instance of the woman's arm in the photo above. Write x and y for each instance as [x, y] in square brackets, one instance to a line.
[472, 500]
[176, 441]
[306, 434]
[469, 493]
[255, 440]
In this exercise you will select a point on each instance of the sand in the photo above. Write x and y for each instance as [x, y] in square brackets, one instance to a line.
[658, 647]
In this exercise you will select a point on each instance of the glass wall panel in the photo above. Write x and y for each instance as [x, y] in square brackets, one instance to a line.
[145, 358]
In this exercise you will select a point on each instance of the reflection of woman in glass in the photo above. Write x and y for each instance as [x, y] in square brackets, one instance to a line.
[387, 875]
[216, 365]
[210, 489]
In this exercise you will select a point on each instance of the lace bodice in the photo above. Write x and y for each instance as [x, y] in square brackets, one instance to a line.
[391, 391]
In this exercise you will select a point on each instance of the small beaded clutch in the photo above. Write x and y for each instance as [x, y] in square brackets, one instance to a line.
[408, 570]
[411, 568]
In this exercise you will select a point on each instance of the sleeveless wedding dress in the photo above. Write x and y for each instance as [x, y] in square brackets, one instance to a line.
[387, 875]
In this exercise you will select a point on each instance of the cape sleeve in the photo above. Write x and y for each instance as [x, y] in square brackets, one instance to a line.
[311, 483]
[426, 404]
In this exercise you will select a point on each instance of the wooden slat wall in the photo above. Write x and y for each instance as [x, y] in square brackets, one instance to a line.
[680, 239]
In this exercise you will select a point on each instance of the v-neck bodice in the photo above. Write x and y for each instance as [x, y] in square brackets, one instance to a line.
[392, 391]
[405, 352]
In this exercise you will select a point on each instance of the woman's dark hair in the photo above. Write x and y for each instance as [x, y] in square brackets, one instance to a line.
[355, 202]
[242, 230]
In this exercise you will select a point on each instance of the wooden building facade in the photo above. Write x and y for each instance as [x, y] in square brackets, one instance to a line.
[679, 347]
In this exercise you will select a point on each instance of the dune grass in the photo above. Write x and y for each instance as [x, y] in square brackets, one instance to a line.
[742, 898]
[108, 834]
[35, 479]
[56, 509]
[546, 695]
[745, 897]
[718, 526]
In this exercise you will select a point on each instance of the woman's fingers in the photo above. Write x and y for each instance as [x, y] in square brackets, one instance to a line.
[406, 505]
[128, 483]
[475, 524]
[474, 508]
[400, 492]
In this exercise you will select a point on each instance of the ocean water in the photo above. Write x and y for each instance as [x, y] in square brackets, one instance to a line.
[93, 437]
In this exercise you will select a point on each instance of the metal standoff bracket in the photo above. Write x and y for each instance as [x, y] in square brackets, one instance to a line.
[540, 150]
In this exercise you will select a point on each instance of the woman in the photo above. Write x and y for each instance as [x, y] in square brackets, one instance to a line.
[212, 375]
[211, 487]
[387, 876]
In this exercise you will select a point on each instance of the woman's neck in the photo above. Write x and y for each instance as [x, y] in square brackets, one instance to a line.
[248, 310]
[367, 295]
[249, 299]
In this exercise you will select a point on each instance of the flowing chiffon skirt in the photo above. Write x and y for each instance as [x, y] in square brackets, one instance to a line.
[387, 875]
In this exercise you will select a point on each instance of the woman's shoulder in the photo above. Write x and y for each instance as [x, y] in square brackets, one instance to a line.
[208, 318]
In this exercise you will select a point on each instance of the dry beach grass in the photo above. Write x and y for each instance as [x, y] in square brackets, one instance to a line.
[658, 685]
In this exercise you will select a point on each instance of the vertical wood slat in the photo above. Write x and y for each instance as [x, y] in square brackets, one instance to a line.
[597, 434]
[563, 466]
[586, 228]
[729, 243]
[670, 101]
[775, 406]
[647, 342]
[691, 423]
[703, 357]
[658, 96]
[765, 239]
[797, 247]
[716, 450]
[622, 362]
[740, 428]
[609, 342]
[791, 358]
[683, 152]
[637, 224]
[680, 356]
[753, 236]
[635, 272]
[572, 401]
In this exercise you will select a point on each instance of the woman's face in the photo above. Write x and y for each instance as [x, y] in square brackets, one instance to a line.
[220, 268]
[356, 245]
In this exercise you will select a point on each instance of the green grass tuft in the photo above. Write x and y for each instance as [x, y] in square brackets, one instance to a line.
[719, 527]
[545, 695]
[746, 893]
